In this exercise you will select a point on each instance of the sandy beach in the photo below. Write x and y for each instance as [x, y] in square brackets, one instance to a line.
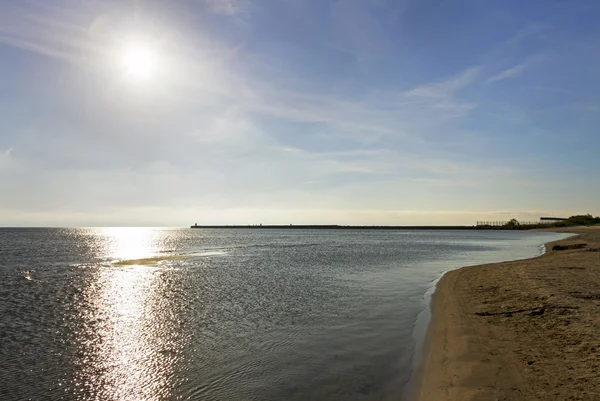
[522, 330]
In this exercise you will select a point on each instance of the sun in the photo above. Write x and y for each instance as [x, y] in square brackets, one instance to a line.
[139, 61]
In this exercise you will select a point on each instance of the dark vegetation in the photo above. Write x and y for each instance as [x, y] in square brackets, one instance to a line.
[578, 220]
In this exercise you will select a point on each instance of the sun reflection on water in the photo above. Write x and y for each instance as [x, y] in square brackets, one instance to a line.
[129, 349]
[126, 243]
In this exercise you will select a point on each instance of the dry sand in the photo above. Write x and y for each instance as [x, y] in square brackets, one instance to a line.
[522, 330]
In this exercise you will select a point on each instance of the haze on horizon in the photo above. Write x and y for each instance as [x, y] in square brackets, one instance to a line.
[148, 113]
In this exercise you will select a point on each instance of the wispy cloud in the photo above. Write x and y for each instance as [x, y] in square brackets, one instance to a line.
[518, 69]
[446, 88]
[37, 47]
[389, 164]
[5, 156]
[512, 72]
[442, 98]
[228, 7]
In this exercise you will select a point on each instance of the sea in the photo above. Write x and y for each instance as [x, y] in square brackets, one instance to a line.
[225, 314]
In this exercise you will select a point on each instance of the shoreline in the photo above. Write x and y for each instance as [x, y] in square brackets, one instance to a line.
[516, 330]
[424, 321]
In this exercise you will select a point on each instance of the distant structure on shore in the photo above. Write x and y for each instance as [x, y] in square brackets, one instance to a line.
[550, 220]
[336, 227]
[514, 222]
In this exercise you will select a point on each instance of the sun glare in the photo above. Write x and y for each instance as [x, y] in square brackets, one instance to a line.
[139, 61]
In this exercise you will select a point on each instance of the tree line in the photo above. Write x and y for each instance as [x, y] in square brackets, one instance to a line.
[577, 220]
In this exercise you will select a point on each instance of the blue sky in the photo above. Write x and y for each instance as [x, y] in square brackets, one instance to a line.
[290, 111]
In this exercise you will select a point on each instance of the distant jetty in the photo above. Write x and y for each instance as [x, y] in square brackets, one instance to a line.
[513, 224]
[335, 227]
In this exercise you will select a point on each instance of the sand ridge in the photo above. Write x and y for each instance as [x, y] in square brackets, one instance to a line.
[522, 330]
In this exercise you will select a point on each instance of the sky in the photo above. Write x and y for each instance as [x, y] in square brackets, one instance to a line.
[297, 111]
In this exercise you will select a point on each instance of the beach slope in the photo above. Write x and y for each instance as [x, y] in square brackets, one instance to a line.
[522, 330]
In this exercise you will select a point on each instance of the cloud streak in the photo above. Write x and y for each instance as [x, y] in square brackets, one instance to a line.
[512, 72]
[5, 154]
[517, 70]
[228, 7]
[448, 88]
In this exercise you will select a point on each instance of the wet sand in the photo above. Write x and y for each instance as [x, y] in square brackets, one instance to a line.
[522, 330]
[157, 259]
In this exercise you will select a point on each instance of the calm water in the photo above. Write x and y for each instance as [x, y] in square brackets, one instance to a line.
[225, 314]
